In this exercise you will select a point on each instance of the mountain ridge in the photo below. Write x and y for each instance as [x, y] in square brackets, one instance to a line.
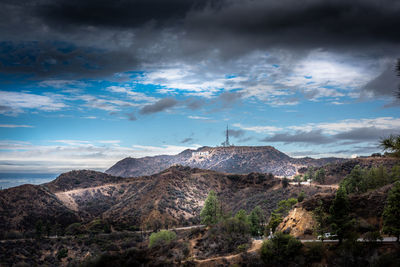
[232, 159]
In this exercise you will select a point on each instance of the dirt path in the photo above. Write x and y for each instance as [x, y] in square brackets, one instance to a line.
[255, 246]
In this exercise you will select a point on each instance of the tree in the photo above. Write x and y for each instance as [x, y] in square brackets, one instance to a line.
[39, 228]
[297, 178]
[256, 220]
[210, 212]
[320, 176]
[277, 215]
[391, 212]
[285, 182]
[241, 216]
[391, 144]
[309, 174]
[339, 219]
[353, 183]
[321, 219]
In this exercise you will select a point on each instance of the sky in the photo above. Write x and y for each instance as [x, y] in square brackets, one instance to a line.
[86, 83]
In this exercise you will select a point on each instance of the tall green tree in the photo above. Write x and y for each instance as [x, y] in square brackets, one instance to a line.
[256, 220]
[391, 212]
[354, 182]
[321, 219]
[339, 219]
[241, 216]
[210, 213]
[320, 176]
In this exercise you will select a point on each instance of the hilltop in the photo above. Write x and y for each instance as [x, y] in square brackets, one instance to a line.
[232, 159]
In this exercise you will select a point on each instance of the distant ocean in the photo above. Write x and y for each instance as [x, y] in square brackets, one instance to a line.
[8, 180]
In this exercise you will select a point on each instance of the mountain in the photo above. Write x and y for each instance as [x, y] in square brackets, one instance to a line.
[173, 197]
[233, 159]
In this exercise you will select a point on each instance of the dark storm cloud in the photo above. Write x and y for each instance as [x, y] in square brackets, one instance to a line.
[122, 13]
[315, 137]
[49, 59]
[117, 36]
[159, 106]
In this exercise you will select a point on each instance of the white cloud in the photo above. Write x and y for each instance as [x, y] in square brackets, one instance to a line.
[106, 104]
[271, 79]
[258, 129]
[15, 126]
[198, 118]
[71, 142]
[385, 123]
[109, 141]
[129, 91]
[13, 103]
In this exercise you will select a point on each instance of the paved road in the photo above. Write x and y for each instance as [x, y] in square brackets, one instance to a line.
[384, 240]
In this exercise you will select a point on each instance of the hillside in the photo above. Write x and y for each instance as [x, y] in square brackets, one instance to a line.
[173, 197]
[234, 159]
[21, 207]
[80, 179]
[336, 171]
[367, 208]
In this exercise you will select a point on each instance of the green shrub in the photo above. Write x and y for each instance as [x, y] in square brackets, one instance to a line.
[74, 229]
[164, 236]
[280, 249]
[301, 196]
[242, 247]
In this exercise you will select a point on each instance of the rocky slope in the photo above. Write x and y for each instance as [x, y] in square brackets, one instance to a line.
[235, 159]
